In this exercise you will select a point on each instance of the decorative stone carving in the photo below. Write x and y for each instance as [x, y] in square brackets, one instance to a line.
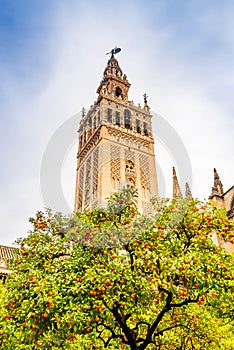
[81, 187]
[87, 180]
[95, 171]
[115, 162]
[218, 186]
[176, 186]
[144, 171]
[188, 192]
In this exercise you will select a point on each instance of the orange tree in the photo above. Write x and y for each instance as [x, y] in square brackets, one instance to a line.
[112, 278]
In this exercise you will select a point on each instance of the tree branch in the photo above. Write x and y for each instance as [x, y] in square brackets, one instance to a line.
[185, 302]
[152, 329]
[130, 334]
[113, 335]
[166, 329]
[131, 256]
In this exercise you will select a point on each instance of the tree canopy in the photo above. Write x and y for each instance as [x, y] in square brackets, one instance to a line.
[114, 278]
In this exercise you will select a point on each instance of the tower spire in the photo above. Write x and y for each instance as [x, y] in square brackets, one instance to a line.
[217, 189]
[188, 192]
[114, 85]
[176, 187]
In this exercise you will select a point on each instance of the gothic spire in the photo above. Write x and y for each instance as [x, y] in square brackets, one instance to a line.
[188, 192]
[217, 189]
[176, 187]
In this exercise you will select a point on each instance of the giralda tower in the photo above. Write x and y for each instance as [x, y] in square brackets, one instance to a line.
[116, 145]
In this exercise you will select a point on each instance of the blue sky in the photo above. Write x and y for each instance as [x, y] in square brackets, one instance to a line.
[52, 57]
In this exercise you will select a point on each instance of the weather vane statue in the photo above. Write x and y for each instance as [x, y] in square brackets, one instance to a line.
[114, 51]
[145, 98]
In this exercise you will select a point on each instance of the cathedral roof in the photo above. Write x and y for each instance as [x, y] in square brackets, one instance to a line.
[6, 253]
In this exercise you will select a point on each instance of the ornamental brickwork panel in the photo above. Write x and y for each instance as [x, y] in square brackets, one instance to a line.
[144, 171]
[115, 162]
[87, 180]
[129, 155]
[95, 171]
[81, 187]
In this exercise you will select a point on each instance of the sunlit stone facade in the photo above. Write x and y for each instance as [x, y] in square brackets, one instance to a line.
[116, 145]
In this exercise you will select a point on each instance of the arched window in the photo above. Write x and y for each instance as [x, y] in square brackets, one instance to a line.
[138, 126]
[115, 184]
[117, 118]
[81, 140]
[127, 119]
[145, 193]
[146, 129]
[129, 168]
[130, 182]
[231, 210]
[118, 92]
[232, 205]
[90, 123]
[109, 115]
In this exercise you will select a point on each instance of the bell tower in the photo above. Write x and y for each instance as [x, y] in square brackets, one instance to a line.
[116, 146]
[114, 83]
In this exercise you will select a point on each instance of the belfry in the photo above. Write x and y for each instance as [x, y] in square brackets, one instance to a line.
[116, 145]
